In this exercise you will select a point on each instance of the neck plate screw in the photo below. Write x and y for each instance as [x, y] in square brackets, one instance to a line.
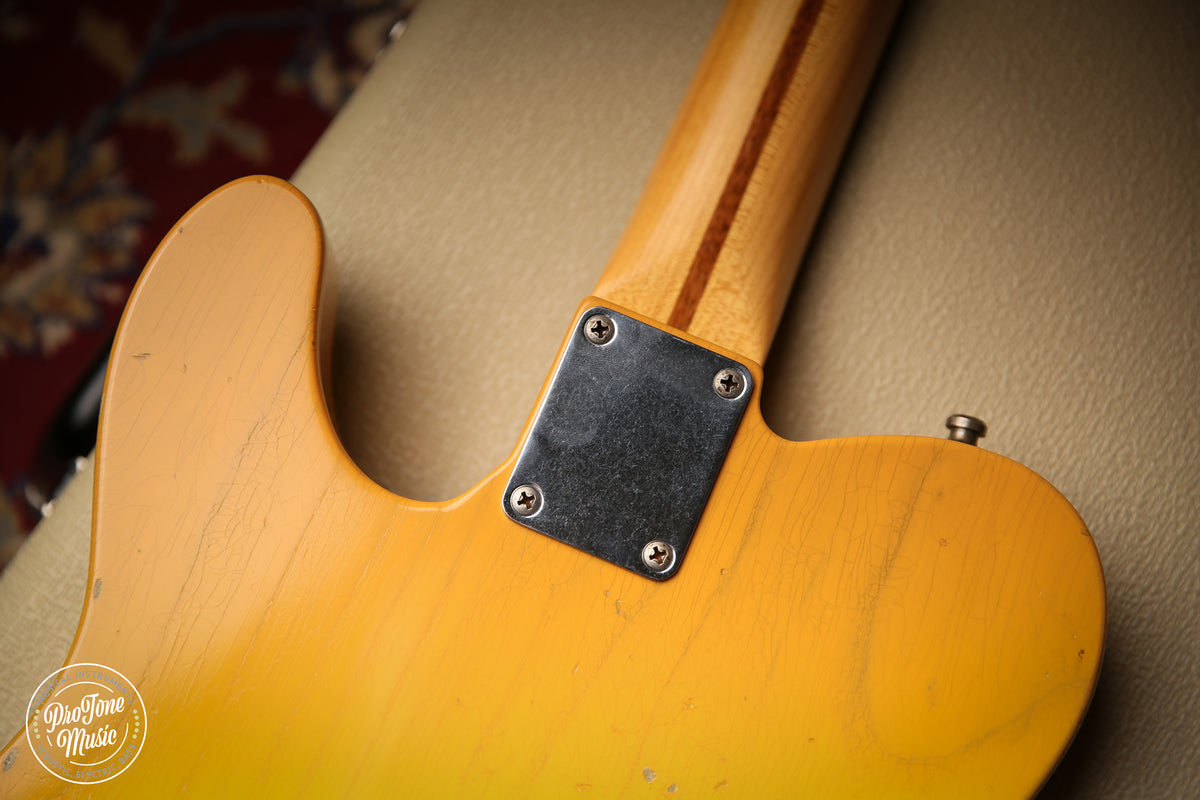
[658, 556]
[728, 383]
[599, 329]
[525, 500]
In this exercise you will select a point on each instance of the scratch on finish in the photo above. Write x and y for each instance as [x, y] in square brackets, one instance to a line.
[96, 589]
[141, 356]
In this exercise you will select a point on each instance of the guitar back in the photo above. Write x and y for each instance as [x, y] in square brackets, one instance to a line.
[884, 616]
[864, 617]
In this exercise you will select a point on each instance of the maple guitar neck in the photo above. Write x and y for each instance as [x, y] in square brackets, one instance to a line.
[718, 234]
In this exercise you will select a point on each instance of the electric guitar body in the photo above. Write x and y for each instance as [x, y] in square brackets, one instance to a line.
[863, 617]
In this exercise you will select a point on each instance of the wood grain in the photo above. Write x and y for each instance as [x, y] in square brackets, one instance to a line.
[738, 181]
[885, 616]
[717, 237]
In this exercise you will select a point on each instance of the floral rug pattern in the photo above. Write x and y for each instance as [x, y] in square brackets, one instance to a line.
[116, 118]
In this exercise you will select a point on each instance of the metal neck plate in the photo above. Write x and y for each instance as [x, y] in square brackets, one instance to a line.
[627, 443]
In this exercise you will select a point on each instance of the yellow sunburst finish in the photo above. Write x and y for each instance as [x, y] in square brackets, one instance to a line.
[868, 617]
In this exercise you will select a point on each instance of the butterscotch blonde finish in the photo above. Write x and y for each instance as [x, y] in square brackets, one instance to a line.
[893, 616]
[874, 617]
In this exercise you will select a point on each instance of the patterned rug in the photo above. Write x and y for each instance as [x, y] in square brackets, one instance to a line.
[116, 118]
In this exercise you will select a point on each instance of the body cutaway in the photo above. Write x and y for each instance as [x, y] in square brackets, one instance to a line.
[864, 617]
